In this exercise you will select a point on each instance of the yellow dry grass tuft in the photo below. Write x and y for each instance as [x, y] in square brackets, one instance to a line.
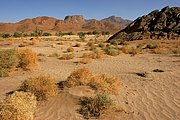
[28, 59]
[70, 49]
[105, 83]
[18, 106]
[43, 87]
[79, 77]
[86, 60]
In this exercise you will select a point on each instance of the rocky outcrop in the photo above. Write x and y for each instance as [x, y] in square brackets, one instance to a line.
[164, 24]
[75, 19]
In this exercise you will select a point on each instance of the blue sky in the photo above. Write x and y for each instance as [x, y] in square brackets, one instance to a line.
[16, 10]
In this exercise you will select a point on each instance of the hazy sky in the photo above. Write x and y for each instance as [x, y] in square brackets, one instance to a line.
[16, 10]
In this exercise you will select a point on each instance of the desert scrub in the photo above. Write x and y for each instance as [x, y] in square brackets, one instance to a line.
[105, 83]
[152, 45]
[18, 106]
[110, 50]
[43, 87]
[77, 45]
[70, 49]
[79, 77]
[54, 55]
[176, 50]
[95, 106]
[28, 59]
[8, 60]
[94, 55]
[131, 50]
[161, 50]
[86, 60]
[67, 56]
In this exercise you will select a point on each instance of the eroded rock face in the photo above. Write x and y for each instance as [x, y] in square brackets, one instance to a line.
[75, 19]
[164, 24]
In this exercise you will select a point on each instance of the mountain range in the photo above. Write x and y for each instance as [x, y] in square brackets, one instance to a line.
[74, 23]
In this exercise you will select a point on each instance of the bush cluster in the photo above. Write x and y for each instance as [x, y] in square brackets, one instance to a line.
[18, 106]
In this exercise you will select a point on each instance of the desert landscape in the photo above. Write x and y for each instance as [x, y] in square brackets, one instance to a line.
[133, 74]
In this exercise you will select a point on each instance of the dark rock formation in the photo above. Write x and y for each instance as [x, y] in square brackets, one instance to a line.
[164, 24]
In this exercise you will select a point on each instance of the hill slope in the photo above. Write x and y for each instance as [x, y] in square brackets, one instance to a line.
[70, 23]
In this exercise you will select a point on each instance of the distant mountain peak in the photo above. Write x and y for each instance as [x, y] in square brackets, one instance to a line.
[117, 20]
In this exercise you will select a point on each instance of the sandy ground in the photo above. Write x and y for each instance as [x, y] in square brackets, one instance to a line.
[155, 97]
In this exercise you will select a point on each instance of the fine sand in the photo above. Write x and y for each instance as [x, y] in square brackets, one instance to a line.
[155, 97]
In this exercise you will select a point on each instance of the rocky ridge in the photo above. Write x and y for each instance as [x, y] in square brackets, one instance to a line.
[69, 24]
[164, 24]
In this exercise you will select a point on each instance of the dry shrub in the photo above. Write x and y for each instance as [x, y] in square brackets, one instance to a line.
[35, 42]
[161, 50]
[24, 44]
[176, 50]
[86, 60]
[110, 50]
[105, 83]
[60, 43]
[28, 59]
[70, 49]
[43, 87]
[8, 60]
[77, 45]
[95, 106]
[152, 45]
[94, 55]
[102, 45]
[54, 55]
[67, 56]
[90, 43]
[79, 77]
[53, 45]
[18, 106]
[131, 50]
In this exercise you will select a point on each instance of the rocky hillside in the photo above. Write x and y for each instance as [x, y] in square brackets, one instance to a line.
[70, 23]
[164, 24]
[117, 20]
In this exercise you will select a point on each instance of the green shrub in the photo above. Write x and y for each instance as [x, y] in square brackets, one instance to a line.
[95, 106]
[110, 50]
[18, 106]
[43, 87]
[8, 60]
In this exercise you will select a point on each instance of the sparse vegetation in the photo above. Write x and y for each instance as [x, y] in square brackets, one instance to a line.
[70, 49]
[8, 60]
[28, 59]
[82, 35]
[67, 56]
[105, 83]
[110, 50]
[18, 106]
[131, 50]
[43, 87]
[86, 60]
[93, 107]
[54, 55]
[79, 77]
